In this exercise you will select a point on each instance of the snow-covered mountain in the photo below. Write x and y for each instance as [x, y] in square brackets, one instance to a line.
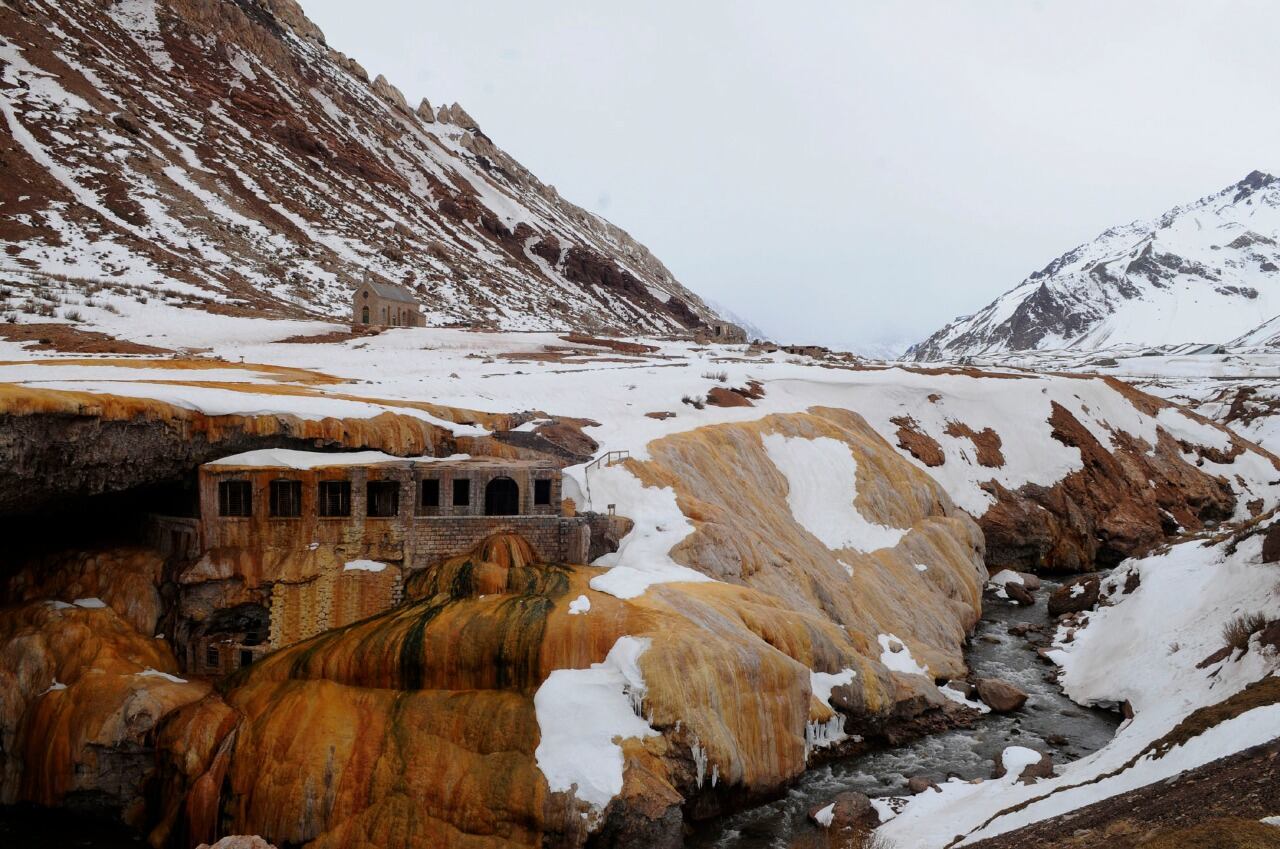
[219, 148]
[1208, 271]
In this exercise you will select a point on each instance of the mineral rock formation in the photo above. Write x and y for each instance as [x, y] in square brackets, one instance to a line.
[81, 693]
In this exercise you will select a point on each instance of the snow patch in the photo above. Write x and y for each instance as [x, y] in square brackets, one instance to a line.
[363, 566]
[580, 712]
[900, 660]
[822, 477]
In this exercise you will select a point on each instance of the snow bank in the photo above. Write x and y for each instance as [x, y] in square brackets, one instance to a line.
[291, 459]
[580, 712]
[1143, 647]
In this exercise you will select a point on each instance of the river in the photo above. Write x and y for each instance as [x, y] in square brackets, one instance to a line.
[1049, 722]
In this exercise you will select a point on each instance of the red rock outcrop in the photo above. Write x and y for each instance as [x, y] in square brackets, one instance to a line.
[1122, 502]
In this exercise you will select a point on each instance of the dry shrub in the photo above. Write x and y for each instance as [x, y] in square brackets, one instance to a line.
[1237, 632]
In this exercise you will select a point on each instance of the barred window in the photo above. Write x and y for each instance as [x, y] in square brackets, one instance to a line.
[430, 493]
[462, 493]
[383, 499]
[211, 656]
[335, 498]
[542, 491]
[235, 498]
[286, 499]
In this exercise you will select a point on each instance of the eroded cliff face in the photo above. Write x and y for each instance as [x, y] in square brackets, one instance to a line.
[57, 446]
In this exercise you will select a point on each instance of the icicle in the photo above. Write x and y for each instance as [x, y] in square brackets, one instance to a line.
[699, 761]
[819, 735]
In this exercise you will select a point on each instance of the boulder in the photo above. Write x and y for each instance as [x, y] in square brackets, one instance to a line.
[1030, 772]
[847, 810]
[917, 784]
[1271, 544]
[1031, 582]
[1000, 696]
[720, 397]
[1075, 595]
[239, 841]
[964, 688]
[1019, 594]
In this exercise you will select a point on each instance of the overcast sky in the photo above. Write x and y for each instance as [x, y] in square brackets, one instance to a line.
[853, 172]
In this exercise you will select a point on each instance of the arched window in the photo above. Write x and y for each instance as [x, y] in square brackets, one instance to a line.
[502, 497]
[364, 315]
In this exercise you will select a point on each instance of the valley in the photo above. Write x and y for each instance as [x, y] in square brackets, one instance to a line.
[360, 490]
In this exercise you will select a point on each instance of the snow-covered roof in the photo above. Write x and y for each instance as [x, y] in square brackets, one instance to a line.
[285, 458]
[391, 292]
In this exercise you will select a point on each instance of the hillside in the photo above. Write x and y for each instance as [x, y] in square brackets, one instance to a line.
[220, 150]
[1208, 271]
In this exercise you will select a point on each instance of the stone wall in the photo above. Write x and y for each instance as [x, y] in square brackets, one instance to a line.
[556, 539]
[331, 600]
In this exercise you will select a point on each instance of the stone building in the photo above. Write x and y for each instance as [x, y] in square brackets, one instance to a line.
[305, 541]
[726, 333]
[384, 305]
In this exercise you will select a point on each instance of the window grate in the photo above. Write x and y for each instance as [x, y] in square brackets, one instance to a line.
[335, 498]
[235, 498]
[383, 499]
[286, 499]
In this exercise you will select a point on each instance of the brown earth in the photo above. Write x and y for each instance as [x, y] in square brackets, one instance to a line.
[67, 338]
[1215, 806]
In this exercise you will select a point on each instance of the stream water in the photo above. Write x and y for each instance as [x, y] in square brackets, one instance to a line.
[1049, 722]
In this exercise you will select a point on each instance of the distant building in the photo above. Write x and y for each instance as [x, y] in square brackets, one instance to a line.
[815, 351]
[384, 305]
[727, 333]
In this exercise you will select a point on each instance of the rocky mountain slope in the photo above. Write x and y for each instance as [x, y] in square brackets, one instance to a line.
[219, 149]
[1208, 271]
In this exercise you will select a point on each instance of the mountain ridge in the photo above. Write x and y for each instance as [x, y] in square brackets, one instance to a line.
[1215, 258]
[222, 149]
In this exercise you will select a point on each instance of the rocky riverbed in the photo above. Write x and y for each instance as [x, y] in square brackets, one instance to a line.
[1003, 646]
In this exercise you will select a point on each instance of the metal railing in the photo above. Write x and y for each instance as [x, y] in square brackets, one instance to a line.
[608, 458]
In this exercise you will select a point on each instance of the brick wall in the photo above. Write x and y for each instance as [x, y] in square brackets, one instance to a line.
[557, 539]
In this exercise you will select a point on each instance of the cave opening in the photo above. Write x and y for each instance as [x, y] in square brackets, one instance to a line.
[92, 521]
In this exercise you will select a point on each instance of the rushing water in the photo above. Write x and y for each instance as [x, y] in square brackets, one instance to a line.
[1048, 718]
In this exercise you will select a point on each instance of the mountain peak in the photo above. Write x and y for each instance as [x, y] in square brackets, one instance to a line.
[1207, 271]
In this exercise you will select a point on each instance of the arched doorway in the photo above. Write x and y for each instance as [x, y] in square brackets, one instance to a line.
[364, 315]
[502, 497]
